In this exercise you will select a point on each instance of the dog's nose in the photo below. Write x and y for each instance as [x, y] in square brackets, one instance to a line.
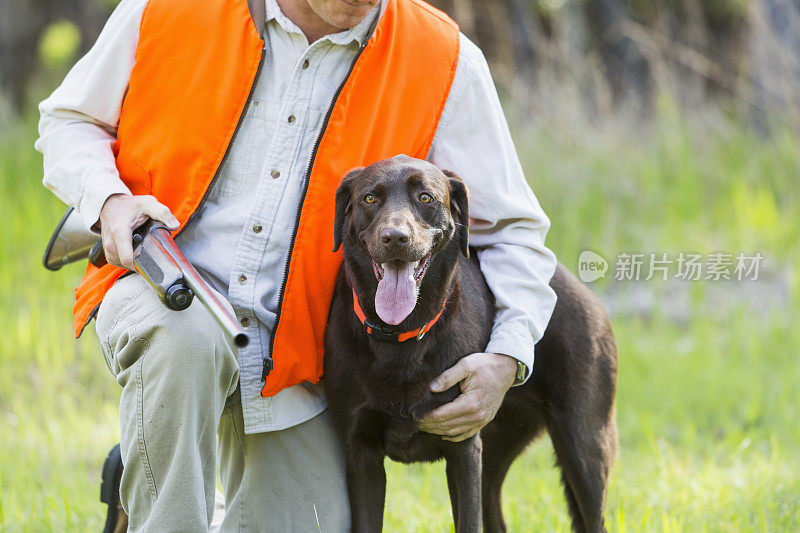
[394, 236]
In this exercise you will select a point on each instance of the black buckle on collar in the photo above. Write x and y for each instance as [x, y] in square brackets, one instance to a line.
[380, 333]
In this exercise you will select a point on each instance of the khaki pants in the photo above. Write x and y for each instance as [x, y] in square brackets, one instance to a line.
[179, 376]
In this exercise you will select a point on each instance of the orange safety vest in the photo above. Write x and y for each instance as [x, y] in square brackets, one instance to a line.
[196, 63]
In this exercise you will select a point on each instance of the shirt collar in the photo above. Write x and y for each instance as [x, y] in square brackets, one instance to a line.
[358, 33]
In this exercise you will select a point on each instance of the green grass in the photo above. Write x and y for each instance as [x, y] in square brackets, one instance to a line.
[707, 407]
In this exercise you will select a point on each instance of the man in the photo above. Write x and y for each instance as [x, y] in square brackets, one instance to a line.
[233, 122]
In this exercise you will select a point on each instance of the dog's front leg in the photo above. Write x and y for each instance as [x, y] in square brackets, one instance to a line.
[366, 487]
[464, 476]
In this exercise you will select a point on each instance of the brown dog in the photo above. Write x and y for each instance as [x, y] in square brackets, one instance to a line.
[403, 224]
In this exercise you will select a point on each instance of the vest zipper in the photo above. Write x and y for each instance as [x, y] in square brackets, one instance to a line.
[233, 138]
[267, 363]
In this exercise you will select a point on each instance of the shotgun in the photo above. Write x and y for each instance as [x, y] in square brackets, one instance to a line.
[156, 258]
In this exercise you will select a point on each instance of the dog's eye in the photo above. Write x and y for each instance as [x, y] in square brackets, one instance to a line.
[369, 199]
[425, 198]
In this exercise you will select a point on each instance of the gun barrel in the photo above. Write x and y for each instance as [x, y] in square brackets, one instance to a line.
[226, 320]
[200, 288]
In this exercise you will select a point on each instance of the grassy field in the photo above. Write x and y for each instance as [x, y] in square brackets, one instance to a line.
[707, 405]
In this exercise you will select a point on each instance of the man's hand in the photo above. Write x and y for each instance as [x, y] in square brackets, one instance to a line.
[120, 215]
[484, 378]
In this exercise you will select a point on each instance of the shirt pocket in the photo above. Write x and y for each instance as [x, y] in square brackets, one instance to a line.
[240, 173]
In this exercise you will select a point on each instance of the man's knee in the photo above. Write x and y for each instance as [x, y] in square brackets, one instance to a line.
[191, 344]
[133, 323]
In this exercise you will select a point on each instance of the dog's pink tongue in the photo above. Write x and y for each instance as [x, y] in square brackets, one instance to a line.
[397, 293]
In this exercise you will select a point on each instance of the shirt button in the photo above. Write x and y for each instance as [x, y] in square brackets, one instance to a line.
[242, 279]
[245, 322]
[305, 64]
[257, 228]
[275, 174]
[291, 119]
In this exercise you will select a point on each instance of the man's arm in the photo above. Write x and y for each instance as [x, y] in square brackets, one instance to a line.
[508, 227]
[77, 132]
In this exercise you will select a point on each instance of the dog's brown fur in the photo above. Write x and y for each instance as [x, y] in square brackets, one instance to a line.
[378, 390]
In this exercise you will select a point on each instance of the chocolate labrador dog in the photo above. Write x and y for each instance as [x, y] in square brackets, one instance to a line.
[410, 301]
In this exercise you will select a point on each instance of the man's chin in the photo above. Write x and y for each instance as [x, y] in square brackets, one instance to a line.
[347, 16]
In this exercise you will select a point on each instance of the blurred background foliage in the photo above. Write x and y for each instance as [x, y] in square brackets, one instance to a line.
[611, 54]
[660, 126]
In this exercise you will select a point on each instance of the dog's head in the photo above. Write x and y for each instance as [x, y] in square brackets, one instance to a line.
[398, 218]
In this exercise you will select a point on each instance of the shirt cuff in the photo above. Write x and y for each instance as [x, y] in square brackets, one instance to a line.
[95, 197]
[513, 341]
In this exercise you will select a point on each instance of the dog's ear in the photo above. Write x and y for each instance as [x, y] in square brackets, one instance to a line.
[459, 207]
[343, 205]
